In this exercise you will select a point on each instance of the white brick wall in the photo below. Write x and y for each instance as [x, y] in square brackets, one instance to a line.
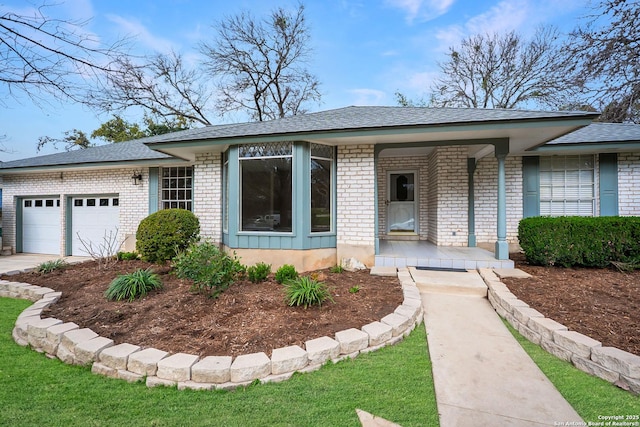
[418, 164]
[355, 195]
[628, 181]
[486, 198]
[134, 199]
[207, 200]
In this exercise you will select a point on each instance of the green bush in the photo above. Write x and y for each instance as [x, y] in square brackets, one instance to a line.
[127, 256]
[285, 273]
[53, 265]
[210, 268]
[259, 272]
[164, 234]
[580, 241]
[337, 269]
[306, 291]
[133, 285]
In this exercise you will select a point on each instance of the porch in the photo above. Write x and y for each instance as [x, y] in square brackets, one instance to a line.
[420, 253]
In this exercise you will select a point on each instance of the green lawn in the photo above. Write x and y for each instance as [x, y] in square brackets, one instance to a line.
[590, 396]
[394, 383]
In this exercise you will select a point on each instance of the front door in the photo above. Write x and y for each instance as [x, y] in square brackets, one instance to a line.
[401, 202]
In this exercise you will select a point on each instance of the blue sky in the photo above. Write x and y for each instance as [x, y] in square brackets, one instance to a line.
[363, 50]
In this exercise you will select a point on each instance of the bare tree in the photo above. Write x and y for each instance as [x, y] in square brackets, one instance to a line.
[605, 59]
[503, 71]
[162, 85]
[42, 55]
[261, 64]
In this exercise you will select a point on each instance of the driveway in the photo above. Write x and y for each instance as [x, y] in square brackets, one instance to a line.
[18, 262]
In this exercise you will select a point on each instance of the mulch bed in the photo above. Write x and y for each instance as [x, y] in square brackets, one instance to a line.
[246, 318]
[603, 304]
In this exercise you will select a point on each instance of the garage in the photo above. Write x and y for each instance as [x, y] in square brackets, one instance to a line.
[41, 225]
[94, 225]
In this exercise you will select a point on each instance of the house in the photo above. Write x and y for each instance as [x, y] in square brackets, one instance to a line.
[313, 189]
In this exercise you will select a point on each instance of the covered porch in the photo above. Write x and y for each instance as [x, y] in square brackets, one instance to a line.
[421, 253]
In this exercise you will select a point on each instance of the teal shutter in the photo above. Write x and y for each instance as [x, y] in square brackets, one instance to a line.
[530, 186]
[153, 190]
[608, 184]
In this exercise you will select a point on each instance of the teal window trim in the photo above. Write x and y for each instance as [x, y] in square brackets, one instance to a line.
[154, 191]
[301, 237]
[530, 187]
[608, 184]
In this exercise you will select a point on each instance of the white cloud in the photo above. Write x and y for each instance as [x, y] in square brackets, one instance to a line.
[368, 97]
[134, 28]
[421, 10]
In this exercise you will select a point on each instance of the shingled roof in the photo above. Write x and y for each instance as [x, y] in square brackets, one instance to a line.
[360, 118]
[601, 133]
[131, 151]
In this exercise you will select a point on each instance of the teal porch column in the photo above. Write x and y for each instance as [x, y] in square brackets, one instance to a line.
[471, 168]
[502, 247]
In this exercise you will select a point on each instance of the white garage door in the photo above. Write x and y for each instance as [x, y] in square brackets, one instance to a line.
[41, 225]
[94, 221]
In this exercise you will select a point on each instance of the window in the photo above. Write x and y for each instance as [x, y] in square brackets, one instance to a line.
[266, 187]
[321, 177]
[28, 203]
[77, 202]
[104, 202]
[91, 202]
[567, 185]
[177, 188]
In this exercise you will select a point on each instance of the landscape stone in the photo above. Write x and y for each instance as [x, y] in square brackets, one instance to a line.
[129, 376]
[87, 351]
[633, 385]
[249, 367]
[117, 356]
[593, 368]
[191, 385]
[352, 340]
[76, 336]
[408, 311]
[176, 367]
[288, 359]
[556, 350]
[37, 331]
[529, 334]
[578, 344]
[612, 358]
[100, 369]
[397, 322]
[54, 336]
[145, 362]
[321, 349]
[159, 382]
[384, 271]
[352, 264]
[276, 378]
[212, 369]
[523, 314]
[378, 332]
[545, 327]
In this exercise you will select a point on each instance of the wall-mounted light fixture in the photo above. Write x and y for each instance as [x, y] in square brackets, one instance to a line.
[137, 178]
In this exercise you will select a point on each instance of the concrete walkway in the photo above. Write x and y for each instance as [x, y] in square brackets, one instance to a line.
[19, 262]
[482, 375]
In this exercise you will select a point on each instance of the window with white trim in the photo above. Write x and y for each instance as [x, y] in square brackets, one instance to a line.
[177, 188]
[567, 185]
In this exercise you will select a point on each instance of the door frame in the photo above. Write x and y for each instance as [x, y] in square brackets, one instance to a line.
[416, 201]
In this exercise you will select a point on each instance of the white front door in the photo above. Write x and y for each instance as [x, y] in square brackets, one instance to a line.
[401, 202]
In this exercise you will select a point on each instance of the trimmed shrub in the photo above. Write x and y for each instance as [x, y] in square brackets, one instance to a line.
[259, 272]
[285, 273]
[210, 268]
[580, 241]
[53, 265]
[133, 285]
[164, 234]
[305, 291]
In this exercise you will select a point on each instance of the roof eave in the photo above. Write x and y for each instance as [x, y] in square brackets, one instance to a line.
[89, 166]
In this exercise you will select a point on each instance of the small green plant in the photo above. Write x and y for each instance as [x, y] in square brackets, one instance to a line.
[133, 285]
[53, 265]
[259, 272]
[354, 289]
[127, 256]
[210, 268]
[285, 273]
[305, 291]
[164, 234]
[336, 269]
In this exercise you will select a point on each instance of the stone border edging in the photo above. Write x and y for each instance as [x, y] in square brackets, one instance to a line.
[616, 366]
[129, 362]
